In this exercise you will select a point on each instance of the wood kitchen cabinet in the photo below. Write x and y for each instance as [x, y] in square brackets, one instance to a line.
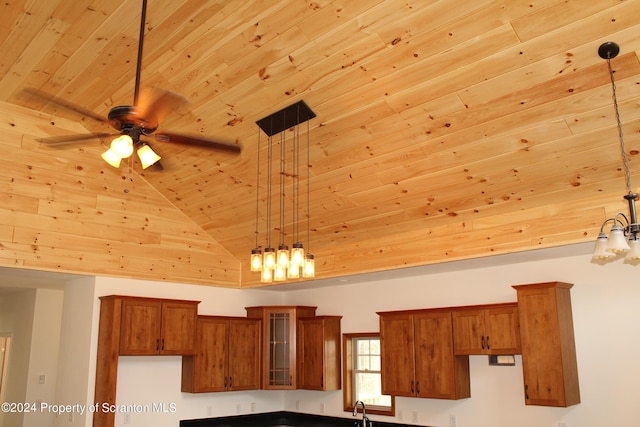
[548, 347]
[318, 355]
[279, 343]
[417, 356]
[486, 329]
[151, 326]
[135, 325]
[227, 356]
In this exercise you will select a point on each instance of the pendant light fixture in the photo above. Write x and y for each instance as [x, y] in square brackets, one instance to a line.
[284, 263]
[624, 237]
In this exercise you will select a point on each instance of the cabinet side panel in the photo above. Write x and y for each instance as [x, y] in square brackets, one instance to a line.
[107, 359]
[332, 372]
[568, 347]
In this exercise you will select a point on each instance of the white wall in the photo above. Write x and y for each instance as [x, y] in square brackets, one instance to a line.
[606, 319]
[43, 357]
[16, 320]
[605, 300]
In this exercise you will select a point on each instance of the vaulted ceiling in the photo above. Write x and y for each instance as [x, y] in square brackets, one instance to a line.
[444, 130]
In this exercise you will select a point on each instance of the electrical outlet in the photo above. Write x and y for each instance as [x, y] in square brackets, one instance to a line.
[399, 415]
[71, 416]
[127, 418]
[209, 410]
[414, 416]
[453, 420]
[252, 405]
[322, 408]
[238, 409]
[297, 405]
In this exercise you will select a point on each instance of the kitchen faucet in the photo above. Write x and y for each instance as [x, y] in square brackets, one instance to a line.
[365, 420]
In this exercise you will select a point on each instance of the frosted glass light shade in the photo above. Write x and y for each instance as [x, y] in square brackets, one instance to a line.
[634, 251]
[617, 241]
[147, 156]
[111, 158]
[122, 146]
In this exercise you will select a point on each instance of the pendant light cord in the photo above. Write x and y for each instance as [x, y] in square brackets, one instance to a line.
[258, 190]
[623, 153]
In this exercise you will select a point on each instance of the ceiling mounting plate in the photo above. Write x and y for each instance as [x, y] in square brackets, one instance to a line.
[286, 118]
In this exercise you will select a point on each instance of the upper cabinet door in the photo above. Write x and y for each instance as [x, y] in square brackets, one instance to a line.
[244, 354]
[397, 354]
[178, 328]
[140, 327]
[502, 329]
[439, 373]
[548, 348]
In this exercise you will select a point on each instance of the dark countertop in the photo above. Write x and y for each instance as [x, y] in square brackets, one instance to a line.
[282, 419]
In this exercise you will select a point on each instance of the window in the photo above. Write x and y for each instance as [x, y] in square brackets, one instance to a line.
[363, 379]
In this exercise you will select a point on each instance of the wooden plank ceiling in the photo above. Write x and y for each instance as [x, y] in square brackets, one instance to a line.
[445, 130]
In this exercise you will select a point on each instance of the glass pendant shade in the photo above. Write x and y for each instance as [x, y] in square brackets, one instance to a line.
[634, 252]
[147, 156]
[111, 158]
[309, 268]
[293, 272]
[617, 241]
[269, 260]
[600, 252]
[283, 256]
[279, 273]
[297, 254]
[122, 146]
[256, 259]
[266, 276]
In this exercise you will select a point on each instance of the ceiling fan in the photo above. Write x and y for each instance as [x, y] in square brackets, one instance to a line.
[138, 120]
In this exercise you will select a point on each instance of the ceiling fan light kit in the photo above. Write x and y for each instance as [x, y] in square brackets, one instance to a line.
[283, 264]
[624, 237]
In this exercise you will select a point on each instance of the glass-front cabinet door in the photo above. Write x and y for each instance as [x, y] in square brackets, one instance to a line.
[279, 346]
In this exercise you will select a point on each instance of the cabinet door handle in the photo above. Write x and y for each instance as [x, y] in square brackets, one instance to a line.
[488, 343]
[482, 340]
[412, 389]
[526, 391]
[322, 381]
[157, 344]
[162, 344]
[418, 387]
[291, 380]
[230, 383]
[225, 383]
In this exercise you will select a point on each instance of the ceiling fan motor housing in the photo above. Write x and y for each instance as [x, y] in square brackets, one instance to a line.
[126, 117]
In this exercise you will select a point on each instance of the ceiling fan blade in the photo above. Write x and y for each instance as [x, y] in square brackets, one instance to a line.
[155, 105]
[71, 139]
[50, 99]
[196, 141]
